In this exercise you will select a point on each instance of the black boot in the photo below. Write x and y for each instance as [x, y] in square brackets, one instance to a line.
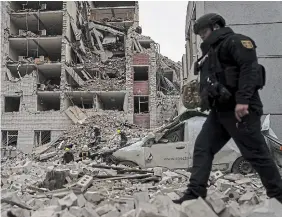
[186, 196]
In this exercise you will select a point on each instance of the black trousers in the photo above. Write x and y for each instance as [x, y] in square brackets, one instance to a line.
[216, 131]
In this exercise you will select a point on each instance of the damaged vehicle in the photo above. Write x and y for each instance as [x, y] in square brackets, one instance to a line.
[172, 147]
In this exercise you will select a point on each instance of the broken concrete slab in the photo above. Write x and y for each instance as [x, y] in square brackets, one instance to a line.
[93, 196]
[47, 155]
[243, 181]
[166, 207]
[46, 211]
[105, 209]
[197, 208]
[173, 195]
[54, 201]
[14, 211]
[171, 174]
[215, 201]
[147, 210]
[233, 177]
[66, 213]
[113, 213]
[68, 201]
[76, 211]
[158, 171]
[140, 197]
[131, 213]
[232, 210]
[165, 180]
[270, 208]
[223, 185]
[75, 114]
[81, 200]
[89, 211]
[249, 197]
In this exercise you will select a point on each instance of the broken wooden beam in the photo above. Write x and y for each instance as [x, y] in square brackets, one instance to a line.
[96, 33]
[121, 168]
[106, 29]
[136, 46]
[139, 176]
[14, 203]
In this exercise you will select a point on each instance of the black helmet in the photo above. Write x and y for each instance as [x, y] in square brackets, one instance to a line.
[208, 20]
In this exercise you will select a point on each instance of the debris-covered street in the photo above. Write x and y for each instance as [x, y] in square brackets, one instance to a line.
[90, 188]
[97, 122]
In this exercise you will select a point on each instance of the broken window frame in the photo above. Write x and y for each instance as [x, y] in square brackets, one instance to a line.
[146, 98]
[38, 140]
[8, 135]
[40, 101]
[139, 67]
[5, 103]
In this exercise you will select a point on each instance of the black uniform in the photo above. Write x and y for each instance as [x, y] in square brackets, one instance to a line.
[238, 73]
[123, 139]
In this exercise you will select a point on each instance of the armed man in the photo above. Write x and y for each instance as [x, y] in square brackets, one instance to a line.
[230, 78]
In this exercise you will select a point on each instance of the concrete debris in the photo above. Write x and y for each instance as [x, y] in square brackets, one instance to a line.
[250, 197]
[215, 201]
[97, 74]
[197, 208]
[68, 200]
[110, 198]
[92, 196]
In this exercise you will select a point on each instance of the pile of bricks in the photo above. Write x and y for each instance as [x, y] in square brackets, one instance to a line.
[92, 189]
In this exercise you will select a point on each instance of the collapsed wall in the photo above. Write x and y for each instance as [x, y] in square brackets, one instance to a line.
[86, 54]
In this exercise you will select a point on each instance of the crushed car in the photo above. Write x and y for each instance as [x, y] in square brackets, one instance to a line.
[172, 147]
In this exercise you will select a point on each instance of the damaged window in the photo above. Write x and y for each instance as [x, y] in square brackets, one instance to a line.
[49, 78]
[19, 71]
[111, 101]
[22, 6]
[35, 50]
[141, 73]
[9, 138]
[81, 100]
[47, 101]
[165, 83]
[12, 103]
[141, 104]
[145, 44]
[41, 138]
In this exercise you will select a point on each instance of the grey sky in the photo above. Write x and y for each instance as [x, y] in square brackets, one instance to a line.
[164, 22]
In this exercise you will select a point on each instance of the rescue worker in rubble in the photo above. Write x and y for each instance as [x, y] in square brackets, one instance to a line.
[230, 77]
[95, 136]
[85, 153]
[68, 156]
[123, 138]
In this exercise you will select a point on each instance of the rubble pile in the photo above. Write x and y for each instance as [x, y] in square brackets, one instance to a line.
[108, 76]
[108, 84]
[91, 189]
[24, 33]
[108, 122]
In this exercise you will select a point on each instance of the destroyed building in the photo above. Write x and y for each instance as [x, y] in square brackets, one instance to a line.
[64, 61]
[259, 20]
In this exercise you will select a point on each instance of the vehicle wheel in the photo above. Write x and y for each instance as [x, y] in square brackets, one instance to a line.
[129, 164]
[242, 166]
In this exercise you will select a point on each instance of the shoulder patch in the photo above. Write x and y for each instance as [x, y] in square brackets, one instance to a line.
[247, 44]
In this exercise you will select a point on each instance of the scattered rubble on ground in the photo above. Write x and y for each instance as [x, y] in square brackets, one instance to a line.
[32, 188]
